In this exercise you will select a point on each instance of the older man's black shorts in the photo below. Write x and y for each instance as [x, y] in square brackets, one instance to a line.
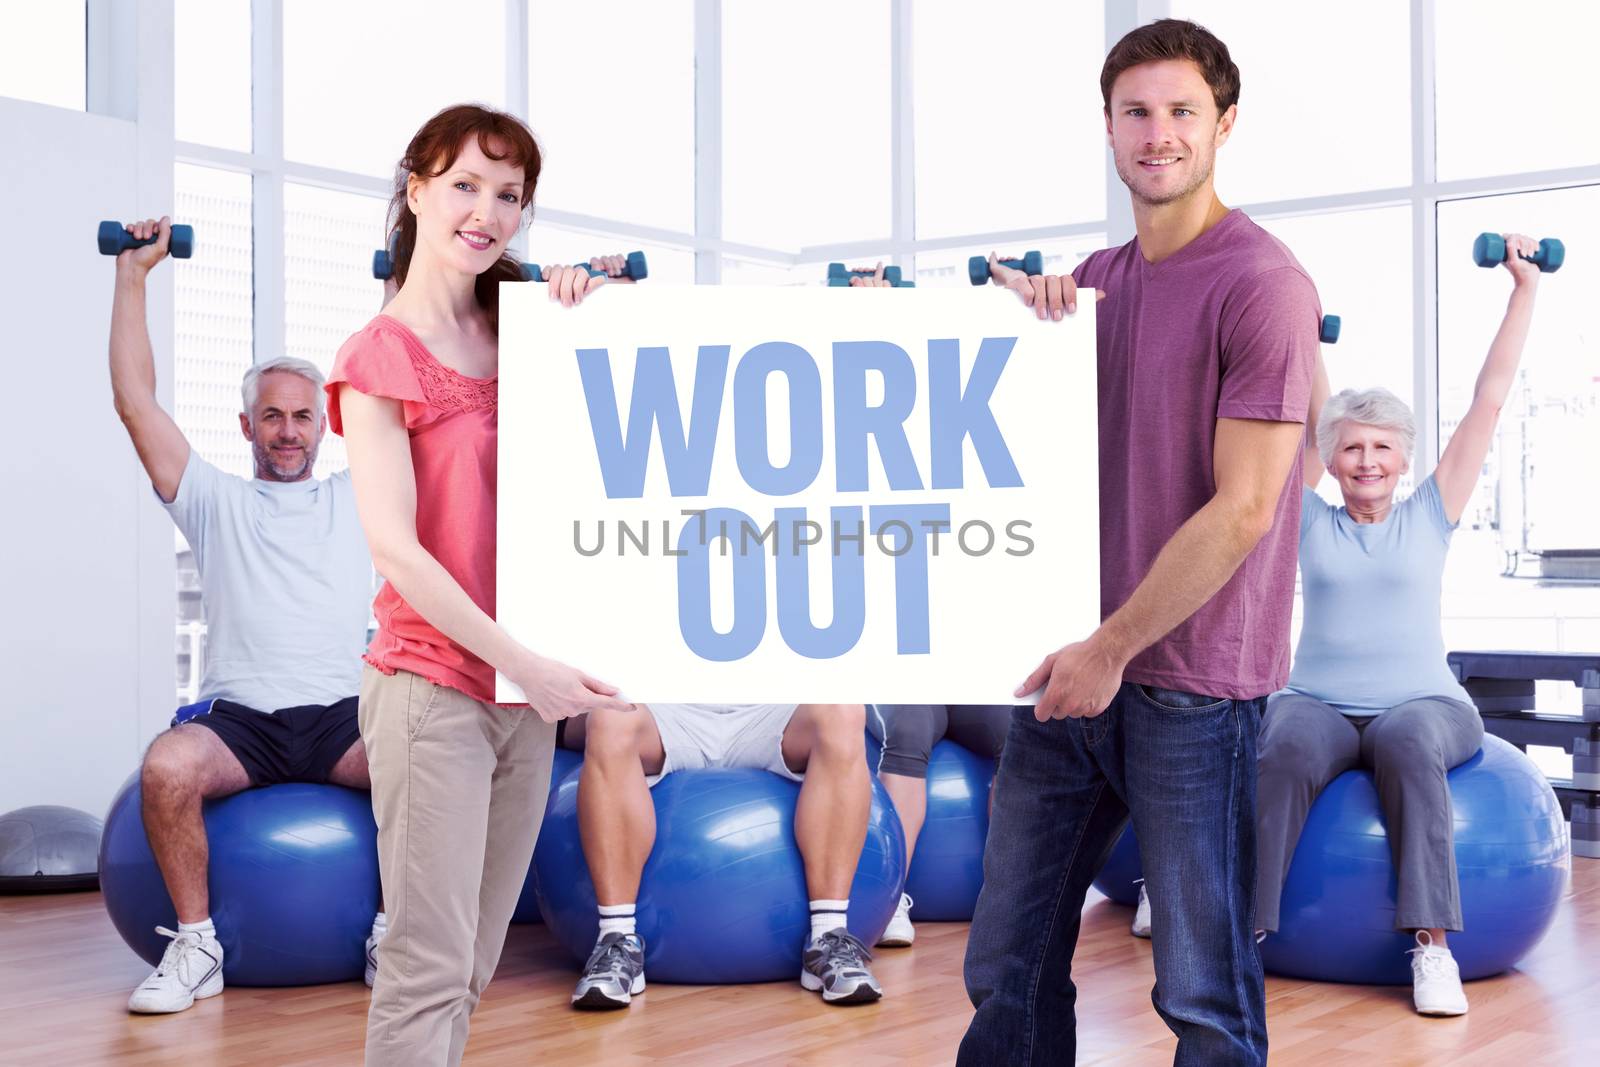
[301, 744]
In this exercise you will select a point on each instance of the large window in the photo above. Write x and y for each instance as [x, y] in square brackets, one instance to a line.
[611, 97]
[42, 52]
[1529, 542]
[1009, 127]
[1371, 294]
[361, 76]
[1513, 82]
[214, 338]
[1320, 111]
[329, 290]
[211, 72]
[805, 123]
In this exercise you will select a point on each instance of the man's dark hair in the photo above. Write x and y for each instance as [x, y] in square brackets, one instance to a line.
[1175, 39]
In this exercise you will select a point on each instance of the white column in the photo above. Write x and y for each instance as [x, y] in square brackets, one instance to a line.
[707, 141]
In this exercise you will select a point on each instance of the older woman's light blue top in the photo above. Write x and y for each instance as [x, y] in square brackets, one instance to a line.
[1371, 636]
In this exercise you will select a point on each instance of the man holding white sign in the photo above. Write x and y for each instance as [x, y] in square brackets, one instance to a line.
[1208, 337]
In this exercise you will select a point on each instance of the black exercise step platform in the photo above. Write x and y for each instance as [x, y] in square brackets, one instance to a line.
[1523, 728]
[1500, 682]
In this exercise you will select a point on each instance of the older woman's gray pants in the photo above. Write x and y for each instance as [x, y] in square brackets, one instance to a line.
[1305, 744]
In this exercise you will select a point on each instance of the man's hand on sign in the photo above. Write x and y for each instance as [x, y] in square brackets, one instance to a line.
[556, 691]
[1049, 295]
[877, 281]
[1079, 680]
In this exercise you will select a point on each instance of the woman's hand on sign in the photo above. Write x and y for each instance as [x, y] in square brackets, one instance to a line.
[556, 691]
[1051, 296]
[570, 285]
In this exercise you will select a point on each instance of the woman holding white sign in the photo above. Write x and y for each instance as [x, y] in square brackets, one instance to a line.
[458, 783]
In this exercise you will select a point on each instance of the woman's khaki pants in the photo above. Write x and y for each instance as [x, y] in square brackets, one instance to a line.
[458, 790]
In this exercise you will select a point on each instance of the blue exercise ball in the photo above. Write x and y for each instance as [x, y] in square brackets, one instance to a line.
[947, 865]
[1336, 917]
[1513, 859]
[528, 902]
[1119, 876]
[723, 897]
[293, 879]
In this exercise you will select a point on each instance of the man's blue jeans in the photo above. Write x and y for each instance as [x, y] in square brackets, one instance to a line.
[1183, 766]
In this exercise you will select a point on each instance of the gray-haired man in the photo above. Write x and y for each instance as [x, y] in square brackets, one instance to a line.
[287, 584]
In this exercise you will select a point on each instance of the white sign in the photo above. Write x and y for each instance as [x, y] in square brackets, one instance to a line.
[742, 495]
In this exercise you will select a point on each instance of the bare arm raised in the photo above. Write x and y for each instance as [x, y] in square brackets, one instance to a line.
[1463, 457]
[161, 446]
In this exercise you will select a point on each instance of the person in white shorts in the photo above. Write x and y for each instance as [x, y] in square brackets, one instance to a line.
[822, 746]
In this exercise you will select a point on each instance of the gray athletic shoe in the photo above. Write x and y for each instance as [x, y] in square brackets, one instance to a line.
[836, 964]
[614, 974]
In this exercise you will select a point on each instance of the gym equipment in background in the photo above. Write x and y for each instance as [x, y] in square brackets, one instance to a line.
[293, 882]
[113, 240]
[566, 761]
[978, 266]
[1336, 918]
[838, 275]
[723, 897]
[1502, 685]
[383, 259]
[1489, 250]
[49, 849]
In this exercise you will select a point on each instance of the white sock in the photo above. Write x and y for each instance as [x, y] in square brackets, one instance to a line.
[380, 924]
[616, 919]
[204, 928]
[827, 915]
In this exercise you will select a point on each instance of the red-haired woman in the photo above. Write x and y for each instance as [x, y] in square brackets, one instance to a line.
[458, 782]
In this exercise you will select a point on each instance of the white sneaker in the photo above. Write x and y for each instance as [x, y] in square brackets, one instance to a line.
[1141, 915]
[900, 933]
[1435, 979]
[191, 970]
[372, 954]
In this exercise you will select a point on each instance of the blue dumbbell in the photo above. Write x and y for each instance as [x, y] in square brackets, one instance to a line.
[1329, 331]
[114, 240]
[978, 266]
[634, 267]
[838, 275]
[1489, 250]
[383, 259]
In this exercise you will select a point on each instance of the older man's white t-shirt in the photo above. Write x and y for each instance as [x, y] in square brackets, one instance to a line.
[286, 580]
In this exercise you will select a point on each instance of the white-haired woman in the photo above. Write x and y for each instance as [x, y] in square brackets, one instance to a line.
[1370, 686]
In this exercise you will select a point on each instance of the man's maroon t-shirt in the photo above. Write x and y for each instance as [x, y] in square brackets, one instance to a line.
[1224, 328]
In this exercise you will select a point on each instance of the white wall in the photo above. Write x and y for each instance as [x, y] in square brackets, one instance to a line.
[86, 563]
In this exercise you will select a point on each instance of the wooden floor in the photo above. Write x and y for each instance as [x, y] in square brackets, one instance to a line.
[65, 977]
